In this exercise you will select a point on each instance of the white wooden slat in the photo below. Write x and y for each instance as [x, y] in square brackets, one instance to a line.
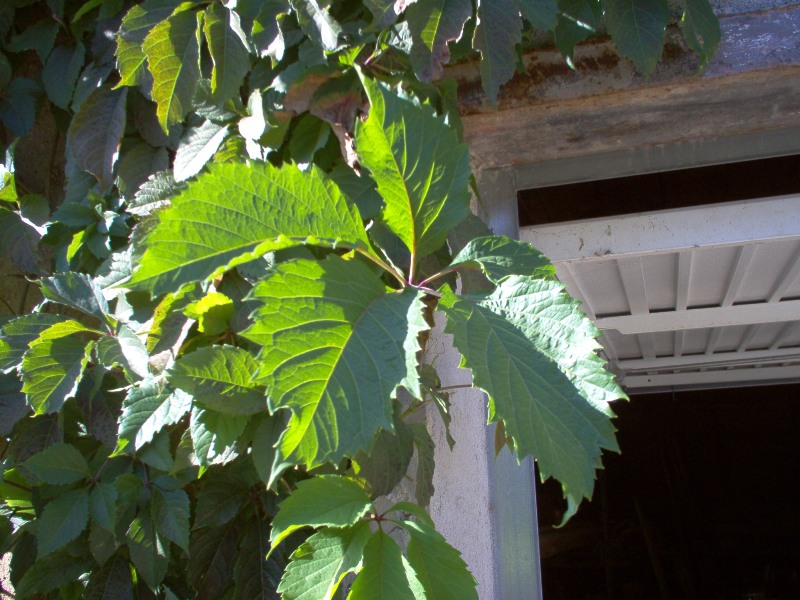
[713, 378]
[719, 360]
[743, 259]
[685, 259]
[787, 278]
[703, 318]
[632, 274]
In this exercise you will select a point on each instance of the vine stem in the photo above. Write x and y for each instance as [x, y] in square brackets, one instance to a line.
[383, 265]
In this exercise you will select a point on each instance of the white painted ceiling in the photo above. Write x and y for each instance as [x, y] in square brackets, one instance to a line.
[707, 296]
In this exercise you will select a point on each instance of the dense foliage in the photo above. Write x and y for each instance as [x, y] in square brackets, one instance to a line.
[261, 205]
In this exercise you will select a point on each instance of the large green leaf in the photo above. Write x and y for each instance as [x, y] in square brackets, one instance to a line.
[637, 28]
[385, 575]
[52, 571]
[438, 566]
[112, 582]
[147, 409]
[136, 24]
[214, 435]
[499, 30]
[532, 350]
[51, 370]
[319, 564]
[173, 56]
[197, 146]
[170, 508]
[62, 520]
[498, 257]
[95, 133]
[18, 105]
[423, 490]
[540, 13]
[12, 402]
[256, 576]
[317, 22]
[59, 464]
[154, 193]
[421, 169]
[220, 378]
[103, 506]
[577, 20]
[432, 24]
[228, 46]
[237, 212]
[212, 554]
[322, 501]
[387, 463]
[60, 73]
[149, 551]
[336, 346]
[17, 335]
[77, 291]
[701, 28]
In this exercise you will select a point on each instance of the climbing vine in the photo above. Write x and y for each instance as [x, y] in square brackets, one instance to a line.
[256, 208]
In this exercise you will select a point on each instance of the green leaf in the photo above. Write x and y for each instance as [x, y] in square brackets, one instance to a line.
[102, 544]
[19, 241]
[237, 212]
[309, 135]
[322, 501]
[60, 73]
[499, 30]
[95, 133]
[433, 24]
[112, 582]
[17, 335]
[384, 576]
[137, 164]
[540, 13]
[171, 515]
[154, 193]
[255, 575]
[5, 71]
[59, 464]
[386, 464]
[158, 453]
[35, 208]
[41, 36]
[213, 313]
[421, 169]
[317, 22]
[499, 257]
[425, 463]
[219, 501]
[437, 565]
[12, 402]
[319, 564]
[50, 572]
[136, 24]
[701, 28]
[18, 105]
[62, 520]
[133, 350]
[173, 54]
[336, 346]
[212, 553]
[103, 506]
[197, 146]
[51, 370]
[228, 46]
[577, 20]
[267, 36]
[76, 290]
[533, 351]
[148, 550]
[263, 449]
[220, 378]
[637, 28]
[147, 409]
[214, 435]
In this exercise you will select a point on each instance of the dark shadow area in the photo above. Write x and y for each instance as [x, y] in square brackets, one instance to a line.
[660, 191]
[703, 503]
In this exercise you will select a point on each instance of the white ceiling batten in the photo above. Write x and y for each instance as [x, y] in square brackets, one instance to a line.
[706, 296]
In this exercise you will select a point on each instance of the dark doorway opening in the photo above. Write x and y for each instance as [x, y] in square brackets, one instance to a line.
[703, 503]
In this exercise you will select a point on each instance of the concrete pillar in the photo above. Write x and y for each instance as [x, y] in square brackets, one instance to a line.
[485, 507]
